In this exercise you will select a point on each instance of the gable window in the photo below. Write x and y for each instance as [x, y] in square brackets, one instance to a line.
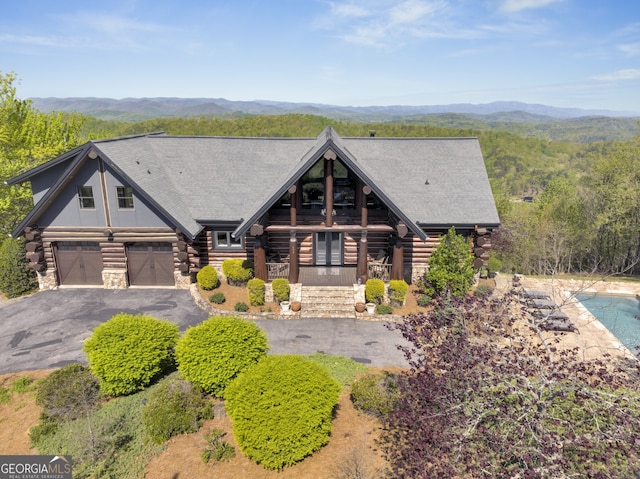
[223, 239]
[85, 198]
[125, 197]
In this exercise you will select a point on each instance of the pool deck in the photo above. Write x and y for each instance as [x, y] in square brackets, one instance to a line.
[593, 339]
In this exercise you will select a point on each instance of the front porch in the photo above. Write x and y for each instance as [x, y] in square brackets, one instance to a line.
[329, 275]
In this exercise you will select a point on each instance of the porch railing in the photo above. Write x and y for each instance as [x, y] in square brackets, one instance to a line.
[379, 271]
[277, 270]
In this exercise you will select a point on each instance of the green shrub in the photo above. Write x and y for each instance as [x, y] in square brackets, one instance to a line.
[69, 392]
[212, 353]
[256, 291]
[451, 265]
[129, 351]
[374, 290]
[375, 394]
[217, 450]
[241, 307]
[237, 271]
[384, 309]
[110, 443]
[494, 264]
[46, 427]
[207, 278]
[483, 290]
[281, 409]
[281, 289]
[175, 407]
[16, 278]
[5, 395]
[217, 298]
[425, 299]
[398, 289]
[23, 384]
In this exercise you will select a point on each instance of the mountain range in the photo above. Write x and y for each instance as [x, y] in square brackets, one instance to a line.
[137, 109]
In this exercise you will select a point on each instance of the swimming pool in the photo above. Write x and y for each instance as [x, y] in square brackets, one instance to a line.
[618, 314]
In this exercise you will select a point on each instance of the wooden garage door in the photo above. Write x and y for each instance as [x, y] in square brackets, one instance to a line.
[150, 264]
[79, 263]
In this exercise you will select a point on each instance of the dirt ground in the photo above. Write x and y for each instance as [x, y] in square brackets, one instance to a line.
[18, 415]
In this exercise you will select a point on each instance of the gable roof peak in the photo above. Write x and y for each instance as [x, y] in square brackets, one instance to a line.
[328, 134]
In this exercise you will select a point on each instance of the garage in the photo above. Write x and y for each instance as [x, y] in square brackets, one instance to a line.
[79, 263]
[150, 264]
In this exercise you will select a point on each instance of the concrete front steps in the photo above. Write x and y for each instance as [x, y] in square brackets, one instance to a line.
[328, 302]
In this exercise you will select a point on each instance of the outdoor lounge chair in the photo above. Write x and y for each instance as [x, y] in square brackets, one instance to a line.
[542, 303]
[528, 293]
[559, 325]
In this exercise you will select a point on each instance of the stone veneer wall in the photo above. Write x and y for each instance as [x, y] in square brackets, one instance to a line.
[115, 278]
[47, 279]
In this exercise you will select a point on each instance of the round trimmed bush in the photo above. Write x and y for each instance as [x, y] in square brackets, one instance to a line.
[374, 290]
[281, 289]
[237, 271]
[217, 298]
[398, 289]
[129, 351]
[212, 353]
[69, 392]
[174, 407]
[207, 278]
[241, 307]
[255, 287]
[281, 409]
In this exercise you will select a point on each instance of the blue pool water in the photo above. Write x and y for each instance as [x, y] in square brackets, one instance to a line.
[618, 314]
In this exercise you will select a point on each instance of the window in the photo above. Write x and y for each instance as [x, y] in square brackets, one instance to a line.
[125, 197]
[85, 197]
[223, 239]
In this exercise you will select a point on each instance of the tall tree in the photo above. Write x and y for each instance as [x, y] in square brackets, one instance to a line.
[27, 138]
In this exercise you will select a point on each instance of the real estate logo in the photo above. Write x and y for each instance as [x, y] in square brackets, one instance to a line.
[35, 467]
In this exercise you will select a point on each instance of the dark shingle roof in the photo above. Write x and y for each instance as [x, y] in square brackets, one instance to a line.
[198, 180]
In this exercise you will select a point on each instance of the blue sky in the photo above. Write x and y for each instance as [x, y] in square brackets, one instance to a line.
[578, 53]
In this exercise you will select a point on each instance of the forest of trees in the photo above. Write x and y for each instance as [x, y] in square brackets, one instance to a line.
[584, 218]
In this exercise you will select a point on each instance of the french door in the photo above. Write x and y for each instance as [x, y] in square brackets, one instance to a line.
[328, 248]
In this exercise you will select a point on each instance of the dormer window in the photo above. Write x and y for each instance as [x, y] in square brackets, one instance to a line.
[85, 198]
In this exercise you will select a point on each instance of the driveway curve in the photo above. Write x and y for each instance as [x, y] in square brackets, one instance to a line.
[46, 330]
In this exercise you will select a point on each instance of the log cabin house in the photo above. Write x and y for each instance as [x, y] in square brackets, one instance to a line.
[152, 209]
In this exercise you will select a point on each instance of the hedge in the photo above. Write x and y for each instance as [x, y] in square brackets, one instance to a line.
[281, 409]
[129, 351]
[212, 353]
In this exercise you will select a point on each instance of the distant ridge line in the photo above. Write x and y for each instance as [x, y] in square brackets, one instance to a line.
[136, 109]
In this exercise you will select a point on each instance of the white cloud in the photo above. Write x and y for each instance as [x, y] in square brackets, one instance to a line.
[620, 75]
[518, 5]
[631, 49]
[30, 40]
[388, 22]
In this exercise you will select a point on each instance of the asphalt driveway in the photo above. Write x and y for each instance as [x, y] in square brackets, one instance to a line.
[46, 330]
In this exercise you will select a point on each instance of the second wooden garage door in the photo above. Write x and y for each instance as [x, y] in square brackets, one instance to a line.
[150, 264]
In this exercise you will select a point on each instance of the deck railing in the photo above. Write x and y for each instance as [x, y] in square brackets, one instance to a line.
[277, 270]
[379, 271]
